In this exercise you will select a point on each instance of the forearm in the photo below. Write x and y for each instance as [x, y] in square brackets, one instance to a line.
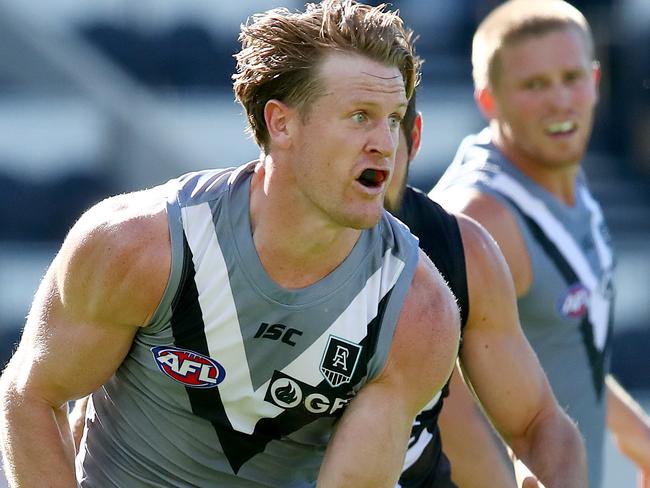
[554, 450]
[365, 455]
[477, 456]
[629, 424]
[36, 443]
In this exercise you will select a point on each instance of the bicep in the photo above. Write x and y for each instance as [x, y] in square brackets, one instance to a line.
[63, 355]
[425, 345]
[507, 378]
[105, 281]
[502, 226]
[496, 356]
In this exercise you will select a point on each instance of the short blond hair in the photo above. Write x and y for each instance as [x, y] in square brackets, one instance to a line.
[517, 20]
[281, 52]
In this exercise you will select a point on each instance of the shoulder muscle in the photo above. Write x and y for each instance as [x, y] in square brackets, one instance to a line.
[426, 340]
[499, 221]
[115, 261]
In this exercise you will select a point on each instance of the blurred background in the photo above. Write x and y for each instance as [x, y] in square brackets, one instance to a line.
[103, 97]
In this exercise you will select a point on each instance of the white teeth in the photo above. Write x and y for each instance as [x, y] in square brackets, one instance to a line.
[559, 127]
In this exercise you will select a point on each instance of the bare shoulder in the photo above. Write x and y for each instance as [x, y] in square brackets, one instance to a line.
[501, 224]
[115, 261]
[484, 208]
[494, 305]
[484, 259]
[425, 345]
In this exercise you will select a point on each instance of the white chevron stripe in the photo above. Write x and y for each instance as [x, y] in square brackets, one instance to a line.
[244, 405]
[222, 330]
[555, 231]
[352, 323]
[604, 251]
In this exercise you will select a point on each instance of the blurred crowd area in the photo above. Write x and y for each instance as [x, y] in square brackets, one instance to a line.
[98, 98]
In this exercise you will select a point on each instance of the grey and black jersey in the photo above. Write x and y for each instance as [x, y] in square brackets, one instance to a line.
[237, 381]
[567, 312]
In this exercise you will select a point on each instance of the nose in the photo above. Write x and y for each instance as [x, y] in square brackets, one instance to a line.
[383, 139]
[561, 96]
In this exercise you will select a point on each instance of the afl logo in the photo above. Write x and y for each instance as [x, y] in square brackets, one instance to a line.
[285, 393]
[188, 367]
[574, 302]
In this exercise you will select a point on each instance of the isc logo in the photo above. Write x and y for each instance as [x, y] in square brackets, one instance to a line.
[188, 367]
[277, 331]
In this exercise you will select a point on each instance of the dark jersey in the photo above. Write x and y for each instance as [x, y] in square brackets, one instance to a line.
[426, 465]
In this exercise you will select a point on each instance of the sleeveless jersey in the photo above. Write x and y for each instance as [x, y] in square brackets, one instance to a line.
[566, 313]
[426, 465]
[236, 381]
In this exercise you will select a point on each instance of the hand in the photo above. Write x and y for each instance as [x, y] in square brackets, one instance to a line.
[525, 478]
[531, 482]
[644, 479]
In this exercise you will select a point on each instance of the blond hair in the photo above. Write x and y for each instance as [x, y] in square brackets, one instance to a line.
[517, 20]
[281, 52]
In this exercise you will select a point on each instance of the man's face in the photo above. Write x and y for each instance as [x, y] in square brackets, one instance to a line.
[544, 99]
[343, 150]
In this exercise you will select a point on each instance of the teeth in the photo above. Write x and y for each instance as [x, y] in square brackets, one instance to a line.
[561, 127]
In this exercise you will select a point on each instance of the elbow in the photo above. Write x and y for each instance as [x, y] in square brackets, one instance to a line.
[551, 427]
[10, 400]
[553, 445]
[11, 395]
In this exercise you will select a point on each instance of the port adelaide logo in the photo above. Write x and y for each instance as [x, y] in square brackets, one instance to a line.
[188, 367]
[339, 361]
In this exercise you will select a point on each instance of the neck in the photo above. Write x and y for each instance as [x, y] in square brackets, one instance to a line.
[295, 248]
[560, 180]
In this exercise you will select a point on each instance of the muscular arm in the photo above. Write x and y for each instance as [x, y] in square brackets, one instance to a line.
[368, 446]
[505, 373]
[104, 283]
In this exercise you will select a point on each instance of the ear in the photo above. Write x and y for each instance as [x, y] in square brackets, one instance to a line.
[277, 115]
[597, 74]
[485, 101]
[416, 136]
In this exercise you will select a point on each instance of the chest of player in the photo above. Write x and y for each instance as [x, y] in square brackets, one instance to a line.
[262, 360]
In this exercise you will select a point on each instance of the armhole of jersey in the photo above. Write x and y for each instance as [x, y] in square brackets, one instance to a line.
[459, 286]
[524, 230]
[441, 240]
[163, 312]
[390, 309]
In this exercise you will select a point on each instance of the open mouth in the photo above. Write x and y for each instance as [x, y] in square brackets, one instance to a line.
[561, 128]
[372, 178]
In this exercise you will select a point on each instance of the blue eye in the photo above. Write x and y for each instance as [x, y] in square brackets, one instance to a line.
[359, 117]
[395, 121]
